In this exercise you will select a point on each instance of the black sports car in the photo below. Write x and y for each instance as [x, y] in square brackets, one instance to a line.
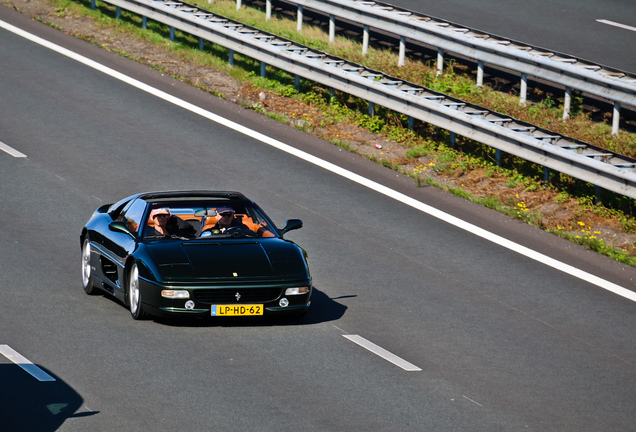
[194, 253]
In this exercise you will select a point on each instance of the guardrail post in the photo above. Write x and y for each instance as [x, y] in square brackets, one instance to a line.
[201, 44]
[118, 12]
[567, 101]
[371, 109]
[411, 123]
[365, 40]
[299, 18]
[616, 118]
[332, 28]
[268, 10]
[238, 4]
[402, 51]
[498, 157]
[546, 174]
[440, 61]
[263, 71]
[524, 89]
[480, 73]
[93, 4]
[231, 60]
[453, 139]
[144, 22]
[297, 82]
[172, 34]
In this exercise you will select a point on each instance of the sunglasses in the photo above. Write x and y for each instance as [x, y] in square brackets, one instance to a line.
[226, 214]
[161, 215]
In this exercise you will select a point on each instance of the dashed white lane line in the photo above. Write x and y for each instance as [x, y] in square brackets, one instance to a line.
[378, 350]
[13, 152]
[24, 363]
[615, 24]
[432, 211]
[476, 403]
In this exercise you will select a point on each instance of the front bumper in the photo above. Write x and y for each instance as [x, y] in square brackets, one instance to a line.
[273, 298]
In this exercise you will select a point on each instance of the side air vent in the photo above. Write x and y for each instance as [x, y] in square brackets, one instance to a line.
[109, 269]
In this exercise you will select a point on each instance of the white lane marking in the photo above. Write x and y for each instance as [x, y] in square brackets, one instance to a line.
[615, 24]
[476, 403]
[24, 363]
[13, 152]
[386, 355]
[459, 223]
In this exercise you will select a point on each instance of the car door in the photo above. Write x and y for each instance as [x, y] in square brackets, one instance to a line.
[117, 245]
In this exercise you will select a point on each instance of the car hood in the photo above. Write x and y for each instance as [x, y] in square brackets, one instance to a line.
[273, 259]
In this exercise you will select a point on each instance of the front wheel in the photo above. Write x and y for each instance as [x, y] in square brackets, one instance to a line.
[87, 271]
[134, 294]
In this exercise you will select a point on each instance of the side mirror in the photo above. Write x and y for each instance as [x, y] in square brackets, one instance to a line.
[291, 224]
[120, 227]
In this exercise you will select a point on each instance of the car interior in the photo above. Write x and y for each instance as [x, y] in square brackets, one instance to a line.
[203, 219]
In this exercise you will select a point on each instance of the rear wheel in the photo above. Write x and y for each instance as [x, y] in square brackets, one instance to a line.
[87, 271]
[134, 294]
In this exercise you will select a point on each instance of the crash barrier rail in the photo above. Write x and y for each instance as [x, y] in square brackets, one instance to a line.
[578, 159]
[573, 73]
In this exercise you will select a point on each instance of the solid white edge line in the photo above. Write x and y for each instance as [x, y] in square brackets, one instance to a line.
[566, 268]
[615, 24]
[24, 363]
[13, 152]
[379, 351]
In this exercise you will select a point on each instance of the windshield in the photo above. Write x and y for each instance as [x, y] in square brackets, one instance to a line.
[209, 219]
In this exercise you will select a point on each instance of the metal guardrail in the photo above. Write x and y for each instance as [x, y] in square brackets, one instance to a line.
[578, 159]
[573, 73]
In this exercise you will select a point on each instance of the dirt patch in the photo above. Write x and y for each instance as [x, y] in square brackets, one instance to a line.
[540, 206]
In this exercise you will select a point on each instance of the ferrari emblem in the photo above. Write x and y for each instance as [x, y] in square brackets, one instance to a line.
[237, 296]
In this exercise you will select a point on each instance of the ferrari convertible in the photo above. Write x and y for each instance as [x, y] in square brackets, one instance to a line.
[194, 253]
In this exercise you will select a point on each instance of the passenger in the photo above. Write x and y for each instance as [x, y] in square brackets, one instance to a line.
[166, 224]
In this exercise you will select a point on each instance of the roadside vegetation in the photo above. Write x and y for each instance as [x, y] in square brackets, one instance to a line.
[562, 205]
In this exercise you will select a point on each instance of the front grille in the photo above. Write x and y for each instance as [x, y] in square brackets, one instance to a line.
[228, 295]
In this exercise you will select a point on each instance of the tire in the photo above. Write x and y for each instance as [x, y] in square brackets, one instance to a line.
[87, 271]
[134, 294]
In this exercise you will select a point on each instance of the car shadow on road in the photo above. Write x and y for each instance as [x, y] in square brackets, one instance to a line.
[322, 309]
[30, 405]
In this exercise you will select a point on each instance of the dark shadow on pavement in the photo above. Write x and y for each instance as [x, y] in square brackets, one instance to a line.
[29, 405]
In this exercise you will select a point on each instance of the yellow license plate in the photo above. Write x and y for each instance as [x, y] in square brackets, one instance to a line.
[237, 310]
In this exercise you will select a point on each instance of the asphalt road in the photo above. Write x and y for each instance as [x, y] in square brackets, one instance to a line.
[566, 26]
[501, 341]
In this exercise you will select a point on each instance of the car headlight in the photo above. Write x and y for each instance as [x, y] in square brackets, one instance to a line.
[175, 294]
[297, 290]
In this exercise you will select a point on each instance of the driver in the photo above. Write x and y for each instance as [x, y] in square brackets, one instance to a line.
[227, 221]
